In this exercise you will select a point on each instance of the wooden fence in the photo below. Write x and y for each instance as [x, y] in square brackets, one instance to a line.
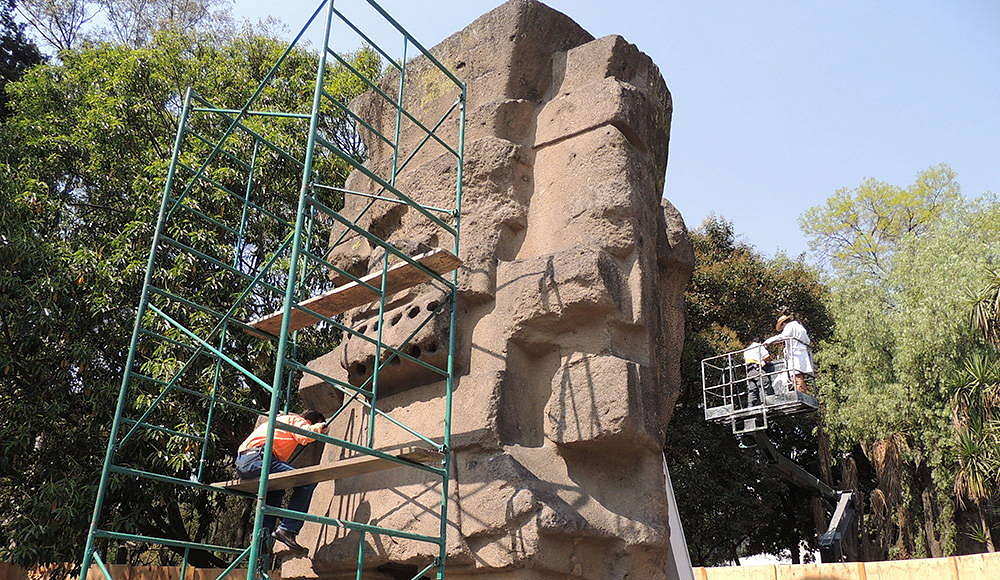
[63, 572]
[974, 567]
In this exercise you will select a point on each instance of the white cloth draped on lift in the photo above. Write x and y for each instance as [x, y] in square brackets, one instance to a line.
[797, 343]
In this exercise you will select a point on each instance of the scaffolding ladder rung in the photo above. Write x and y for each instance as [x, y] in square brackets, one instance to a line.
[109, 535]
[194, 393]
[211, 143]
[122, 470]
[161, 429]
[402, 275]
[357, 526]
[281, 114]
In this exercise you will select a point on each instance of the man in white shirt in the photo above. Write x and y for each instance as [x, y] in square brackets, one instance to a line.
[756, 353]
[796, 340]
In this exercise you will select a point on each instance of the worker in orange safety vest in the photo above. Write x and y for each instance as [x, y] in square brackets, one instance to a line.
[250, 461]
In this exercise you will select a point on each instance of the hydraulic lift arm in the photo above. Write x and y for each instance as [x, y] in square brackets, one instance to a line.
[831, 546]
[831, 541]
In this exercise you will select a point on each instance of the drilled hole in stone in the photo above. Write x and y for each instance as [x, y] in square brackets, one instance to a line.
[395, 319]
[375, 327]
[415, 351]
[363, 329]
[413, 312]
[432, 306]
[432, 347]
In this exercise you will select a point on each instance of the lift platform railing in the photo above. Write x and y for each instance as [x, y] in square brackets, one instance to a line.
[739, 381]
[222, 188]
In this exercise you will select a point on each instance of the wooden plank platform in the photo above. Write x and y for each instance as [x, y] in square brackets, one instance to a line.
[402, 275]
[345, 468]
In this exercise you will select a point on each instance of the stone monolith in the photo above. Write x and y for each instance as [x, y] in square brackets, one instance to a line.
[570, 315]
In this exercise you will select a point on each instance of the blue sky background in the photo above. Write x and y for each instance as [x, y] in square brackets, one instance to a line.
[778, 104]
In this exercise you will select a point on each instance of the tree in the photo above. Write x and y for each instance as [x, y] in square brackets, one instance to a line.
[82, 162]
[859, 228]
[59, 22]
[976, 412]
[731, 504]
[17, 52]
[896, 365]
[986, 309]
[135, 22]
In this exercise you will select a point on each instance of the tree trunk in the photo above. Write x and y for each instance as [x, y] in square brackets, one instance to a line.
[985, 522]
[923, 482]
[930, 529]
[172, 526]
[825, 459]
[819, 518]
[853, 550]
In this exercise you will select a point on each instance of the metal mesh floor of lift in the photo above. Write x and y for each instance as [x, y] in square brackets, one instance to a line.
[780, 404]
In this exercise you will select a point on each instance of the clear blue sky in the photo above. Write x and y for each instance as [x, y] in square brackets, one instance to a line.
[777, 104]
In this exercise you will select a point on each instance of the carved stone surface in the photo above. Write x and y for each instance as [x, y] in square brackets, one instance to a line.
[570, 315]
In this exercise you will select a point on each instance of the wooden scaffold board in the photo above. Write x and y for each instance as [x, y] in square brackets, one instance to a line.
[342, 469]
[401, 276]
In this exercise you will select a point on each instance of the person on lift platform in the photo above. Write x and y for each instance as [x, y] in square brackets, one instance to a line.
[759, 366]
[797, 343]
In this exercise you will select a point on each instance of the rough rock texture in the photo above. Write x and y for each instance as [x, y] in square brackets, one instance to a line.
[570, 321]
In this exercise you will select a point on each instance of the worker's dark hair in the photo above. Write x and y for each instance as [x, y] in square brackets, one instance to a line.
[313, 416]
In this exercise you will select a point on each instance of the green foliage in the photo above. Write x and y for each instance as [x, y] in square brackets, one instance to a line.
[904, 353]
[860, 228]
[82, 163]
[986, 309]
[731, 505]
[17, 52]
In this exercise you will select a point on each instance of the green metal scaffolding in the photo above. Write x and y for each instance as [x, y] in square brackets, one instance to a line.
[294, 270]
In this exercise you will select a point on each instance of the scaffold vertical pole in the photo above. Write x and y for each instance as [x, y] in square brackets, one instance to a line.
[287, 305]
[373, 409]
[452, 324]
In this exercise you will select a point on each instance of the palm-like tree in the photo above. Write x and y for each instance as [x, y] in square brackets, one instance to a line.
[976, 478]
[986, 310]
[976, 410]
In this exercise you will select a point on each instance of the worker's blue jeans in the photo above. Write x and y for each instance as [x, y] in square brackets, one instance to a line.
[755, 376]
[248, 466]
